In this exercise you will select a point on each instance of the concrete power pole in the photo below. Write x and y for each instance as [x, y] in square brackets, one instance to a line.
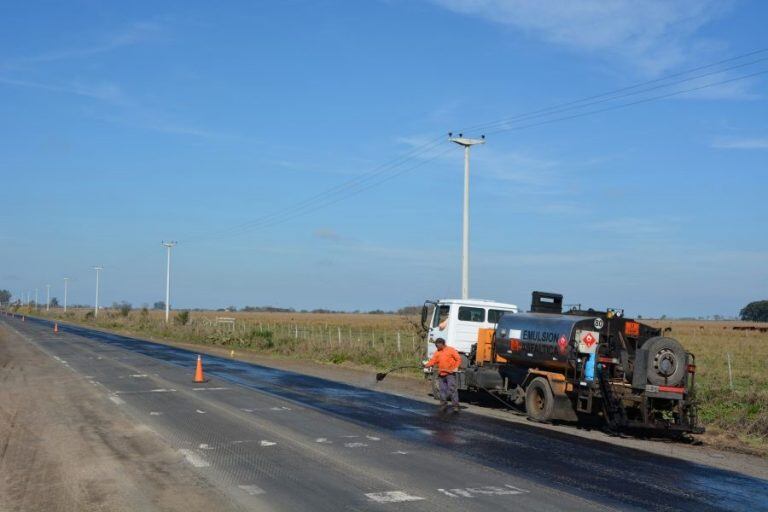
[168, 246]
[466, 143]
[66, 280]
[96, 307]
[47, 298]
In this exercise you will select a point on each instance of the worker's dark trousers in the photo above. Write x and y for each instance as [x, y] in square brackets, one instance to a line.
[448, 388]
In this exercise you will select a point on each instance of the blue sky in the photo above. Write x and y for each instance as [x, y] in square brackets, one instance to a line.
[127, 123]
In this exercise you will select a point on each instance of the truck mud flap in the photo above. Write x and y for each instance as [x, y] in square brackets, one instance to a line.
[563, 409]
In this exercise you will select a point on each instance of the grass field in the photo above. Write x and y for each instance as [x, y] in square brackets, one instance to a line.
[733, 398]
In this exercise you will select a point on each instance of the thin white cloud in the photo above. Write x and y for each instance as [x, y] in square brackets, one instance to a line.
[749, 143]
[136, 33]
[653, 35]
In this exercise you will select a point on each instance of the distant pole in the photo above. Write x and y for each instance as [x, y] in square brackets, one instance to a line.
[466, 143]
[168, 246]
[66, 280]
[96, 307]
[47, 298]
[37, 307]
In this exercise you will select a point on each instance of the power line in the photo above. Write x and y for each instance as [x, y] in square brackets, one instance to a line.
[378, 175]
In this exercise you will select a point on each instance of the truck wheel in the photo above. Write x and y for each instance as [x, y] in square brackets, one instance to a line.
[667, 361]
[539, 401]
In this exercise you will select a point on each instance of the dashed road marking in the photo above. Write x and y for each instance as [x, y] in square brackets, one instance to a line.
[266, 443]
[117, 399]
[373, 438]
[209, 389]
[355, 445]
[155, 413]
[392, 497]
[198, 411]
[400, 452]
[162, 390]
[323, 440]
[486, 490]
[194, 459]
[204, 446]
[253, 490]
[139, 375]
[279, 408]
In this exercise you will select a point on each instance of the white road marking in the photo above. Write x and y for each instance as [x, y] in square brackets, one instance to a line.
[323, 440]
[155, 413]
[486, 490]
[391, 497]
[209, 389]
[355, 445]
[253, 490]
[266, 443]
[373, 438]
[162, 390]
[350, 437]
[279, 408]
[400, 452]
[194, 459]
[138, 375]
[116, 399]
[247, 410]
[204, 446]
[198, 411]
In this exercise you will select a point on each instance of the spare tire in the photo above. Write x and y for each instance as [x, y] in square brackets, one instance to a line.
[667, 361]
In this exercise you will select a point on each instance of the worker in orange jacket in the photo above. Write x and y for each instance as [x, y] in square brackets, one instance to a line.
[447, 360]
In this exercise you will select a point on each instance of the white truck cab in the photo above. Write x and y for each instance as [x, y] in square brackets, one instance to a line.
[457, 321]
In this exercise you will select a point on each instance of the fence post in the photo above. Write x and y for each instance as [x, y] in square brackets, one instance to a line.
[398, 341]
[339, 330]
[730, 372]
[296, 331]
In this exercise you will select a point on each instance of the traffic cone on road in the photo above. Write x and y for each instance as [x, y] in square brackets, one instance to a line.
[199, 378]
[55, 327]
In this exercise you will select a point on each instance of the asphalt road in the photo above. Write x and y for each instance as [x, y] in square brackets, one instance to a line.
[277, 440]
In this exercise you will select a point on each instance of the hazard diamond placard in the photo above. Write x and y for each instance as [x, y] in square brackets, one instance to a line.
[588, 341]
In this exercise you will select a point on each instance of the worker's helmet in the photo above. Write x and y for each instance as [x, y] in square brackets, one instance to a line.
[439, 341]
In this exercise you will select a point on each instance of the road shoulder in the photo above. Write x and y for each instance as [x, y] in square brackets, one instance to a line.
[65, 446]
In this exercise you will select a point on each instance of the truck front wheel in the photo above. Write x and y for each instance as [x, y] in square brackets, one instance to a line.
[539, 401]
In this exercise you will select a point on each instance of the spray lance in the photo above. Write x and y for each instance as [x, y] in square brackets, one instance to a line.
[381, 375]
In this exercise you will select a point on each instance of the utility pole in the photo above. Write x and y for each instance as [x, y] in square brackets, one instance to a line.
[66, 280]
[466, 143]
[168, 246]
[37, 304]
[47, 298]
[96, 307]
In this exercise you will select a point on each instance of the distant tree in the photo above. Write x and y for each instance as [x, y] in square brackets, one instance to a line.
[755, 311]
[5, 296]
[124, 308]
[182, 317]
[231, 309]
[409, 310]
[159, 305]
[54, 302]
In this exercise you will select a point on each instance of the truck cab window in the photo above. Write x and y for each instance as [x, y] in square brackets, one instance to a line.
[494, 315]
[441, 315]
[468, 314]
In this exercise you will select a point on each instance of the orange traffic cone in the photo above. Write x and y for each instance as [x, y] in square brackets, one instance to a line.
[199, 378]
[55, 327]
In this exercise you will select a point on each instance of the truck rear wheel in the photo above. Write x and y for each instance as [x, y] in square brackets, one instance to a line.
[539, 400]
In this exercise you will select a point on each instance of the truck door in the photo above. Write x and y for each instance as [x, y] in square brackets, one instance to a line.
[470, 319]
[440, 326]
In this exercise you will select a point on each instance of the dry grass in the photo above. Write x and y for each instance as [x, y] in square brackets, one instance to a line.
[733, 405]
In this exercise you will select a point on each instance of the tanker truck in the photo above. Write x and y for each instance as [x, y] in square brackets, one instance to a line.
[570, 365]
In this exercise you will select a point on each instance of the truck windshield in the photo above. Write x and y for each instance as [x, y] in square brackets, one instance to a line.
[468, 314]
